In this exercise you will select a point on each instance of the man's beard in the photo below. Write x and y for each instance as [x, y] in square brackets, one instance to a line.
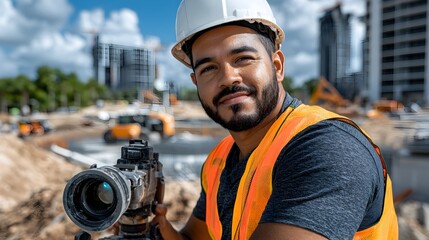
[239, 122]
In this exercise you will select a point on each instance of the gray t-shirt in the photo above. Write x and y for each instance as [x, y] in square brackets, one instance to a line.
[328, 179]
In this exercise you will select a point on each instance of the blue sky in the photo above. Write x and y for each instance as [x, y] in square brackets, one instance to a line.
[55, 33]
[156, 17]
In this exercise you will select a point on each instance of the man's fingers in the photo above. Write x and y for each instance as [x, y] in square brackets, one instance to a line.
[161, 210]
[160, 215]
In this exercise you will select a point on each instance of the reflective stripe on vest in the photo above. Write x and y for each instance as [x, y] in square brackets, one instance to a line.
[255, 185]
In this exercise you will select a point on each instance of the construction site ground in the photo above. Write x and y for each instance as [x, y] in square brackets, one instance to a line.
[33, 178]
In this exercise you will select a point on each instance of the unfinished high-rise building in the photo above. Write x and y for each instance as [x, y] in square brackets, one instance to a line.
[335, 49]
[124, 68]
[396, 62]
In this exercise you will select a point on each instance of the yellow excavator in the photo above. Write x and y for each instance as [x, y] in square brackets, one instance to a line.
[327, 94]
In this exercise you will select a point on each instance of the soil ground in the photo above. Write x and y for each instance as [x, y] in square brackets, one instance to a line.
[32, 186]
[33, 179]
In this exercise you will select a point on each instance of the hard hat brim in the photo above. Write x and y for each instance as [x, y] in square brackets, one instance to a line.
[179, 54]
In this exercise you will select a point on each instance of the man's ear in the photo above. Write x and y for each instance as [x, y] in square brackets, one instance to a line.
[194, 80]
[278, 62]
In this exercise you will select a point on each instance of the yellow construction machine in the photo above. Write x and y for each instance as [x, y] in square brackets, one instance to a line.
[140, 126]
[383, 106]
[327, 95]
[30, 127]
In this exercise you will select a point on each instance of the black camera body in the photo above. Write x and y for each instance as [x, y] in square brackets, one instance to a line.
[125, 193]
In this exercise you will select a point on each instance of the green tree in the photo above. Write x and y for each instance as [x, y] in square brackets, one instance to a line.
[189, 94]
[23, 87]
[311, 85]
[130, 95]
[46, 83]
[16, 92]
[5, 93]
[96, 91]
[69, 89]
[288, 85]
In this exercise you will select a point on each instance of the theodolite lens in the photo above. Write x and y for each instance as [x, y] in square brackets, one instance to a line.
[105, 193]
[96, 198]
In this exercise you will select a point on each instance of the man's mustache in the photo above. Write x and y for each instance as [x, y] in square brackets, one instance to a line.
[230, 90]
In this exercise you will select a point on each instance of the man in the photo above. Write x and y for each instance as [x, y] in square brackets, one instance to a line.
[287, 170]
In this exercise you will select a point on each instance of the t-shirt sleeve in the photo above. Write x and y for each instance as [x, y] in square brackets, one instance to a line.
[200, 207]
[326, 180]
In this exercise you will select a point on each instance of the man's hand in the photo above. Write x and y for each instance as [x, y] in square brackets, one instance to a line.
[194, 228]
[165, 227]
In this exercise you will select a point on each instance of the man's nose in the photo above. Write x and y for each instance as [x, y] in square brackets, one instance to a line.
[229, 76]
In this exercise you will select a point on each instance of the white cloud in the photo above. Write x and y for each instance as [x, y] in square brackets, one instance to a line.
[173, 70]
[67, 52]
[36, 40]
[357, 9]
[14, 27]
[29, 18]
[32, 31]
[90, 21]
[300, 21]
[54, 43]
[152, 42]
[122, 26]
[122, 21]
[7, 67]
[301, 65]
[357, 36]
[55, 12]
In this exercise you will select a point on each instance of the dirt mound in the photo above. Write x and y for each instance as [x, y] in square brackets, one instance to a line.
[42, 216]
[27, 169]
[39, 217]
[33, 181]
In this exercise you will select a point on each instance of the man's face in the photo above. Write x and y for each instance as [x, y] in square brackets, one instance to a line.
[236, 79]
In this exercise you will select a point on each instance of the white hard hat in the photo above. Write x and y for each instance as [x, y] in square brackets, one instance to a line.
[194, 16]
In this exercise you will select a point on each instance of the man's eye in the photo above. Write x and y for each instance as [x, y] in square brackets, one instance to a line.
[207, 69]
[243, 58]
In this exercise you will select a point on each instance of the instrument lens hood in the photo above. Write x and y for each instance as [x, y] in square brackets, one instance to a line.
[96, 198]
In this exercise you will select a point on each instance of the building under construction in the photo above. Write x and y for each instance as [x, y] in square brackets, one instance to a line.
[334, 44]
[396, 61]
[124, 68]
[335, 48]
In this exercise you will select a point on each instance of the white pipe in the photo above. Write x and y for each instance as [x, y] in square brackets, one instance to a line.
[75, 158]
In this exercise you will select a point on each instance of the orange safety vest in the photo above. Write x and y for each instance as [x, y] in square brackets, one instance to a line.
[255, 186]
